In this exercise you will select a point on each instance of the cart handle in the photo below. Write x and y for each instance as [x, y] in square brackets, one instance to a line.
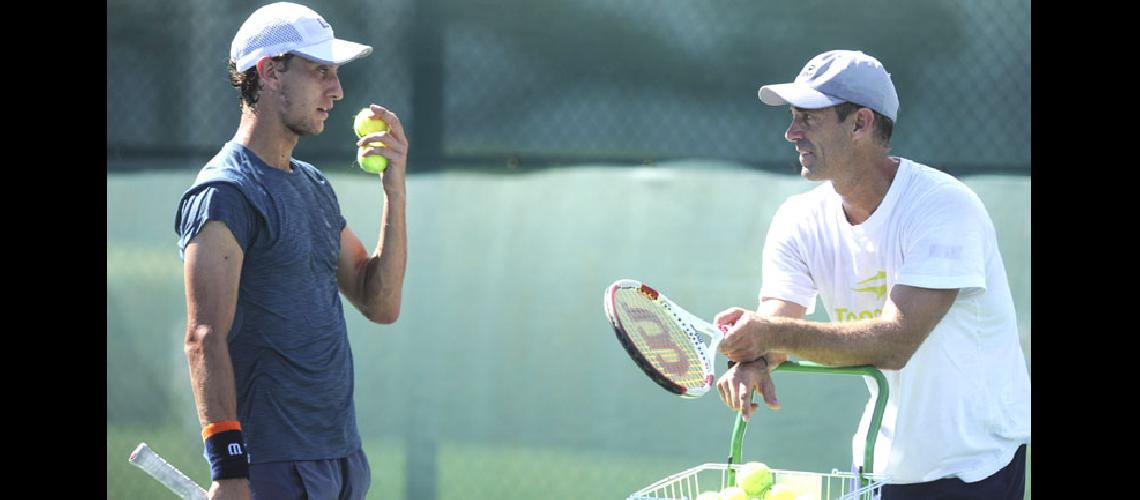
[810, 367]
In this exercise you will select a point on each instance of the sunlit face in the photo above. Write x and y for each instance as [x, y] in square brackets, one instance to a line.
[822, 142]
[308, 89]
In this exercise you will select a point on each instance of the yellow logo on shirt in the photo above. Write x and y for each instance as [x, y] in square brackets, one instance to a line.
[844, 314]
[879, 291]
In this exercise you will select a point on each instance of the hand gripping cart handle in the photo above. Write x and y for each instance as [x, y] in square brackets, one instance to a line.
[809, 367]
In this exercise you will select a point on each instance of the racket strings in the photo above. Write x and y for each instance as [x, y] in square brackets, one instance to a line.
[656, 331]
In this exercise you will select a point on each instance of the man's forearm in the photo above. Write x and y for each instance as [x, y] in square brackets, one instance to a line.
[384, 276]
[875, 342]
[211, 375]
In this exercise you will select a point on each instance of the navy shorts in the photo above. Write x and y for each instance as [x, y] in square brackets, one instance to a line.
[1005, 484]
[345, 478]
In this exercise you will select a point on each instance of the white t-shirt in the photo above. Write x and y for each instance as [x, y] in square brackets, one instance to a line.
[960, 406]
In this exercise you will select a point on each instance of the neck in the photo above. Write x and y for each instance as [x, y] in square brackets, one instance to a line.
[269, 139]
[864, 190]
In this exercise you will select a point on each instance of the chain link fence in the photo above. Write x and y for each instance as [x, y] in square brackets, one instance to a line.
[514, 82]
[508, 86]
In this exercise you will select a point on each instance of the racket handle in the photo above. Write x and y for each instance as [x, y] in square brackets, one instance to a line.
[147, 460]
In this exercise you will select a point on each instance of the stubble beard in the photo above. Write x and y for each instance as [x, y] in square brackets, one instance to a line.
[809, 169]
[300, 126]
[301, 131]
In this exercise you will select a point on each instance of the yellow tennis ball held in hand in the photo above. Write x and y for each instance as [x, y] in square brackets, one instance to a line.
[754, 478]
[363, 125]
[372, 164]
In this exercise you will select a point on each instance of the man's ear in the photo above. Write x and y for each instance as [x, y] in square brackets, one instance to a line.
[266, 70]
[864, 120]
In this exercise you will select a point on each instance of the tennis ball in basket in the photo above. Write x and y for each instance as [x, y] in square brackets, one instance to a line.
[364, 124]
[733, 493]
[781, 492]
[754, 478]
[371, 164]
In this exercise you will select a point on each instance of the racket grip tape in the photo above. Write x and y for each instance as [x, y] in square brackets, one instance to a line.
[159, 469]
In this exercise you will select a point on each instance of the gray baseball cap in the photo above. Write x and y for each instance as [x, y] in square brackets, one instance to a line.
[834, 77]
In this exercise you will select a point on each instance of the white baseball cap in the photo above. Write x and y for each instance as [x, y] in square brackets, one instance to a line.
[288, 28]
[834, 77]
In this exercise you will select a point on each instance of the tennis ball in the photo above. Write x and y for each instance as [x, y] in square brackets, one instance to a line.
[754, 478]
[781, 492]
[371, 164]
[733, 493]
[364, 124]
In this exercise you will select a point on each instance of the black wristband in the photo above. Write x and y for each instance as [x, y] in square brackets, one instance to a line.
[732, 363]
[226, 453]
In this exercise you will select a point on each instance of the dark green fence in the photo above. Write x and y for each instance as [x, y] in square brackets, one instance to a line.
[526, 83]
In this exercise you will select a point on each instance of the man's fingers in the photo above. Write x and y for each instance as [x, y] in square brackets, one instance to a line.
[729, 346]
[391, 119]
[728, 316]
[768, 388]
[746, 404]
[747, 415]
[743, 397]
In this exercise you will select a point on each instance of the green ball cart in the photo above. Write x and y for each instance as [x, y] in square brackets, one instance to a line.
[690, 483]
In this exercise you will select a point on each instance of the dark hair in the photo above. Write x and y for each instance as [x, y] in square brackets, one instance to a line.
[248, 83]
[883, 125]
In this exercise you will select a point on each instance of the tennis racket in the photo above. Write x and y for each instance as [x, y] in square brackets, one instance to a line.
[662, 338]
[149, 461]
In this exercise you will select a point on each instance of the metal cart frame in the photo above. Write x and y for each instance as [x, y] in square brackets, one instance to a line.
[844, 485]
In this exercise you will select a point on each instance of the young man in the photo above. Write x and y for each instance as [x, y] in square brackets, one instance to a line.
[266, 253]
[906, 261]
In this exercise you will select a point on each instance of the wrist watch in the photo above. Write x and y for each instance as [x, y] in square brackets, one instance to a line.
[732, 363]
